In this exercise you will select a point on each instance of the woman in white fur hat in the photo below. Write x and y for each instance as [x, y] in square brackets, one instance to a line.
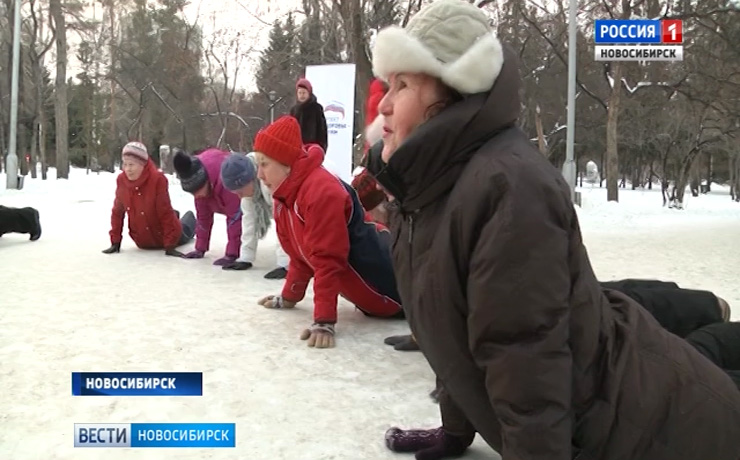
[496, 283]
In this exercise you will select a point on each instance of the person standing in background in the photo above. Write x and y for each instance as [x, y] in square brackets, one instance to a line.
[310, 115]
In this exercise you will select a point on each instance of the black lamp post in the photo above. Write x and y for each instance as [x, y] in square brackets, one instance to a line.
[274, 99]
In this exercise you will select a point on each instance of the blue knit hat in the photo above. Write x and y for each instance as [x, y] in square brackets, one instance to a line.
[237, 171]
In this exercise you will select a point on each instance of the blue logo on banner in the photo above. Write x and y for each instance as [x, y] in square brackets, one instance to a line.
[624, 31]
[137, 383]
[144, 435]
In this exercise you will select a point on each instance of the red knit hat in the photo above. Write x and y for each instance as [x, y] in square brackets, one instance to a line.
[375, 95]
[305, 84]
[280, 140]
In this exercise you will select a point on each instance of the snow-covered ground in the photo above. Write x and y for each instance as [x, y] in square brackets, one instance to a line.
[65, 306]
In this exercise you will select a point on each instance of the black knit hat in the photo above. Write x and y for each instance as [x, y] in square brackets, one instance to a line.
[190, 171]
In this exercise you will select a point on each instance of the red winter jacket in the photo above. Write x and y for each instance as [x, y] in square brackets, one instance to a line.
[152, 222]
[312, 211]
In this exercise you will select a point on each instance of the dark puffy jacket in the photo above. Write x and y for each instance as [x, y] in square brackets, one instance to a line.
[502, 299]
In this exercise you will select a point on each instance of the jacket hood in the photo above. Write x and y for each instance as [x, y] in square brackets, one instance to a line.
[149, 170]
[212, 160]
[310, 160]
[427, 164]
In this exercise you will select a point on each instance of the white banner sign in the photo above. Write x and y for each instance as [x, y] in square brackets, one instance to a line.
[334, 87]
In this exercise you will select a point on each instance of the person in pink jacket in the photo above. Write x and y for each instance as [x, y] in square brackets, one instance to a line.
[201, 175]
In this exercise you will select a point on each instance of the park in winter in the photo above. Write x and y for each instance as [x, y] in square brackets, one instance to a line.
[370, 230]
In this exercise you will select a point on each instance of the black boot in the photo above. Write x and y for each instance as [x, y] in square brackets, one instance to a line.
[402, 342]
[279, 273]
[35, 225]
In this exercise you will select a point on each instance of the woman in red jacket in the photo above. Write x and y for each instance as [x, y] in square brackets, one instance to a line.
[328, 236]
[142, 193]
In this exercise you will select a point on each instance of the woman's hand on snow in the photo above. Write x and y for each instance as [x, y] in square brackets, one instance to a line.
[276, 302]
[319, 335]
[172, 252]
[115, 247]
[195, 254]
[434, 444]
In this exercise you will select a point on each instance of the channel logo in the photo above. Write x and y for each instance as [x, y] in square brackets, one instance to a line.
[155, 435]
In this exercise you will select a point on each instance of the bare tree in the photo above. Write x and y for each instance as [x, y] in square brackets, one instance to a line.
[60, 94]
[224, 57]
[38, 47]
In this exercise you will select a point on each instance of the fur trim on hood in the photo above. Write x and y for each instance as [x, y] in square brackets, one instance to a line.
[449, 39]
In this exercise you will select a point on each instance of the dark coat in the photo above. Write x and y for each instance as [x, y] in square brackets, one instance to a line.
[501, 297]
[681, 311]
[310, 115]
[18, 220]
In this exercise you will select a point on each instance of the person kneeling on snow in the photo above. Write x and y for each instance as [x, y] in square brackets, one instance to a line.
[239, 176]
[323, 228]
[142, 193]
[200, 175]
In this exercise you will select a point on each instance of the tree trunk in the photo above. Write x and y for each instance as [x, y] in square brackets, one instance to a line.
[3, 144]
[113, 141]
[636, 177]
[39, 120]
[540, 132]
[34, 148]
[60, 90]
[735, 176]
[684, 176]
[694, 185]
[354, 23]
[612, 154]
[42, 145]
[709, 171]
[22, 150]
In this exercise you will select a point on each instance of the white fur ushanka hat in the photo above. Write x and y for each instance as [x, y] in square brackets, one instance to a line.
[448, 39]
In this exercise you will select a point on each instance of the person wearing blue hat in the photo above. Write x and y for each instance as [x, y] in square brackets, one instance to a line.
[239, 176]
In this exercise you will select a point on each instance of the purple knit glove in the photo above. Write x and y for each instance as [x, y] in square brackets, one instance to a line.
[225, 260]
[434, 444]
[194, 254]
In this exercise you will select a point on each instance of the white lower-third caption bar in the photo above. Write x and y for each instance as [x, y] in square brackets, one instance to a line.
[639, 53]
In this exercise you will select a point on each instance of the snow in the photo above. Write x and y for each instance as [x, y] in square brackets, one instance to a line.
[610, 80]
[66, 307]
[638, 85]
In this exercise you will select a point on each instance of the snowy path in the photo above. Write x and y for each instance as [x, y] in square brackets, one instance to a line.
[66, 307]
